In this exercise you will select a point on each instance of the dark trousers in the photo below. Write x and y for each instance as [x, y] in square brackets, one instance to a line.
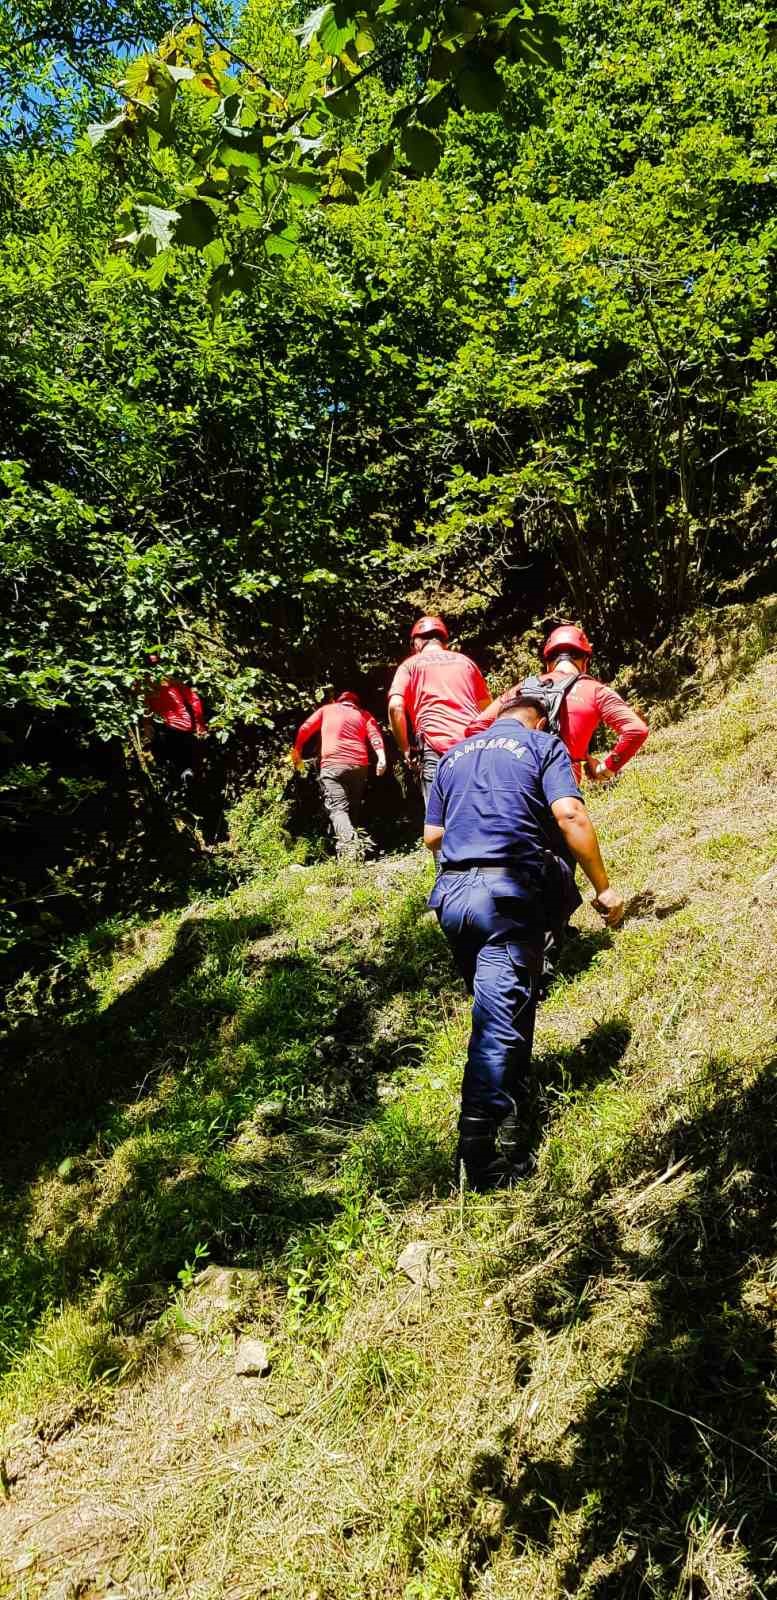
[557, 930]
[494, 921]
[342, 791]
[178, 750]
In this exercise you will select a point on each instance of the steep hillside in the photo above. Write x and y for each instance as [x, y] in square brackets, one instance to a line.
[573, 1393]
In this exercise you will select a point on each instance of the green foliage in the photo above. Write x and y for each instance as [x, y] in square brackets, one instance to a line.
[252, 140]
[536, 377]
[258, 829]
[55, 54]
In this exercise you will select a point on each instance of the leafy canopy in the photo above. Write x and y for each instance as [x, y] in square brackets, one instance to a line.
[230, 148]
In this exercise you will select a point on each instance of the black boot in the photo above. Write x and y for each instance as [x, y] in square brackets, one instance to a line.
[489, 1152]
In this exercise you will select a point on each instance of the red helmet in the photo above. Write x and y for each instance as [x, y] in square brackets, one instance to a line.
[568, 638]
[349, 696]
[426, 626]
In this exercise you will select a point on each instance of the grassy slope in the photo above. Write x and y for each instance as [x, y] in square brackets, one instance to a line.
[583, 1405]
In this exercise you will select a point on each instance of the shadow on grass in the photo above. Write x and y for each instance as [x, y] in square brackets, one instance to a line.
[580, 950]
[210, 1104]
[669, 1463]
[62, 1079]
[582, 1065]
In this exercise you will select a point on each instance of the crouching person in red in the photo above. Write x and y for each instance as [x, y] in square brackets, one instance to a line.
[347, 733]
[504, 813]
[174, 722]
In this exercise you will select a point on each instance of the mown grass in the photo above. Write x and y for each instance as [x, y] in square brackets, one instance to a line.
[584, 1404]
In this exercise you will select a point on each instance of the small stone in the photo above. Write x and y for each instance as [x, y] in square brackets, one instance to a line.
[416, 1261]
[252, 1358]
[296, 867]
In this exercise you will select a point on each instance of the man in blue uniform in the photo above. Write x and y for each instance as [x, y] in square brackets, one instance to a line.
[503, 812]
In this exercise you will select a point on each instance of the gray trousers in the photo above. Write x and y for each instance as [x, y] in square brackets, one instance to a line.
[429, 763]
[342, 791]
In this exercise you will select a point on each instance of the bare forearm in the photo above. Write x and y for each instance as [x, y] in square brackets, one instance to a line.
[579, 833]
[398, 721]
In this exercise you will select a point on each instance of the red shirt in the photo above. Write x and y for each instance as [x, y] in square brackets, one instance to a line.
[443, 692]
[346, 733]
[585, 707]
[177, 705]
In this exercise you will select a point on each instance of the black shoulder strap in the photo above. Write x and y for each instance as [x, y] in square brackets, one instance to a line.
[566, 685]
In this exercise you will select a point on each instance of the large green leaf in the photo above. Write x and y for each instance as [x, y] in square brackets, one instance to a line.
[331, 26]
[311, 25]
[196, 224]
[480, 87]
[284, 242]
[549, 29]
[304, 185]
[421, 148]
[380, 164]
[238, 156]
[433, 111]
[464, 21]
[159, 223]
[444, 62]
[537, 42]
[99, 131]
[159, 268]
[228, 279]
[342, 102]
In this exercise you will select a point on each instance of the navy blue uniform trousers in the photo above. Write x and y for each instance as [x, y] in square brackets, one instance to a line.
[495, 920]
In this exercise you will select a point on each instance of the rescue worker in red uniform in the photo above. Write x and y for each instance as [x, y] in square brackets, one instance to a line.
[347, 734]
[436, 691]
[587, 704]
[174, 721]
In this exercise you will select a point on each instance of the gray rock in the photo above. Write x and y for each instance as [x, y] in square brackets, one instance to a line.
[217, 1293]
[417, 1263]
[252, 1359]
[223, 1283]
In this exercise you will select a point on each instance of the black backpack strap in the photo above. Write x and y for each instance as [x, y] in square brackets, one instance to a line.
[566, 685]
